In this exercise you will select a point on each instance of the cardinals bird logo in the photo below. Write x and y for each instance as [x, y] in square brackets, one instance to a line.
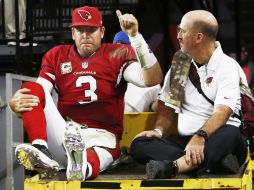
[209, 80]
[84, 14]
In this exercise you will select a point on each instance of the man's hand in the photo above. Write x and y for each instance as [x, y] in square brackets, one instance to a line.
[128, 23]
[195, 150]
[151, 133]
[21, 102]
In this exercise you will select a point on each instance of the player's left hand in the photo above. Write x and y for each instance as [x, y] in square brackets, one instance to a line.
[128, 23]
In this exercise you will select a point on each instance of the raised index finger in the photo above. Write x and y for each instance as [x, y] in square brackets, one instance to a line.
[118, 13]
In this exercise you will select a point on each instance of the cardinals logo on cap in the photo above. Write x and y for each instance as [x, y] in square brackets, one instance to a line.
[84, 14]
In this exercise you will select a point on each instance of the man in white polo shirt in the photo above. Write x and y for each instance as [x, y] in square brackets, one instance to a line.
[206, 132]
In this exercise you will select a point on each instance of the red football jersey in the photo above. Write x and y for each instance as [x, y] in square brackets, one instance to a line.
[91, 91]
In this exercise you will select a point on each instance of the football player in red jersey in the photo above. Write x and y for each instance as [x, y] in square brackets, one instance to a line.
[90, 79]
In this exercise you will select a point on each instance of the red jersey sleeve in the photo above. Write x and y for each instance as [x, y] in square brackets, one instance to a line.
[50, 62]
[121, 56]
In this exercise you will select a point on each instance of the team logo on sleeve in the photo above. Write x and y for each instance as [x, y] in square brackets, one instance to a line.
[84, 65]
[65, 68]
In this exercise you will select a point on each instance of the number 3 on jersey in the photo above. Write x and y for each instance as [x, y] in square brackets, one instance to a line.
[89, 93]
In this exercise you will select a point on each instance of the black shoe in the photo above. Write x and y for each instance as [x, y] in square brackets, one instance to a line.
[161, 169]
[36, 157]
[44, 150]
[230, 164]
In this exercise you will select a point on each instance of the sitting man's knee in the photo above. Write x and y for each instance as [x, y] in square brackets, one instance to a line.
[35, 89]
[137, 149]
[137, 144]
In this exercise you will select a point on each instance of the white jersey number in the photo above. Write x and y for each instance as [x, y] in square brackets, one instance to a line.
[90, 95]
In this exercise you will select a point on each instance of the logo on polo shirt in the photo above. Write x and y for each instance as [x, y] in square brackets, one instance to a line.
[209, 80]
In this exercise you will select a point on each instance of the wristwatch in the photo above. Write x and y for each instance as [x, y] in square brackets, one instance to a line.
[202, 133]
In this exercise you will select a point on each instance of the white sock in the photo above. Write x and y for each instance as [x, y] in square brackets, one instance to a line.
[40, 142]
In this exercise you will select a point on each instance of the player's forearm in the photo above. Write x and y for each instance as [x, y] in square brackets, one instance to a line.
[153, 75]
[151, 68]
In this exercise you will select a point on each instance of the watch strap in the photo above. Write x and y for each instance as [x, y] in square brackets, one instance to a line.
[202, 133]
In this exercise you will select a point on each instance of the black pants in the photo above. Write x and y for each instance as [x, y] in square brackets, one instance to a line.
[226, 140]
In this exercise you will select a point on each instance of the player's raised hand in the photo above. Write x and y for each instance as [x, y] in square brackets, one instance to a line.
[128, 23]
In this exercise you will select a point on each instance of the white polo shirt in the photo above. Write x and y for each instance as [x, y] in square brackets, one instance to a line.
[220, 79]
[138, 99]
